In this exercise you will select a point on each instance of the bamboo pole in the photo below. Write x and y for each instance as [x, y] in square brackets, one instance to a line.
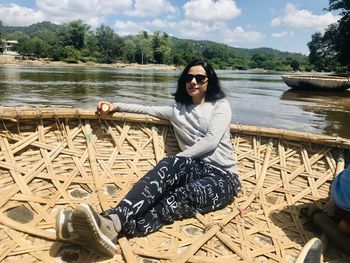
[24, 113]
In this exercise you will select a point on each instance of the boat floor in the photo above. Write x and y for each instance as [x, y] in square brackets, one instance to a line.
[50, 164]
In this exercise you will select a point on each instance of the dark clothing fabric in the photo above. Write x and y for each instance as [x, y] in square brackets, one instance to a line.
[176, 188]
[343, 214]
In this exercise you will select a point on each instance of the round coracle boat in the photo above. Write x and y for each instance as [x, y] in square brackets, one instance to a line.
[317, 82]
[53, 158]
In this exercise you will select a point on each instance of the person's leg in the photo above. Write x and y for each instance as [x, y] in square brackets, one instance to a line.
[331, 229]
[344, 224]
[100, 231]
[344, 227]
[170, 173]
[214, 191]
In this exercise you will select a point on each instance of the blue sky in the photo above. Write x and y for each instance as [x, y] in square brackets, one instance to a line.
[279, 24]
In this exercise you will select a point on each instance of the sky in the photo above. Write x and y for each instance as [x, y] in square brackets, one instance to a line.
[279, 24]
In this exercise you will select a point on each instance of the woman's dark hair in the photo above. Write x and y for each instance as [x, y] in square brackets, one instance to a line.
[214, 91]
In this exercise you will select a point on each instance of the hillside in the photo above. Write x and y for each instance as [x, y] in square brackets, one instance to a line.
[75, 41]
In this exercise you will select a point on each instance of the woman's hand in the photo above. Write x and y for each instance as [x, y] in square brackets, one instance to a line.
[105, 107]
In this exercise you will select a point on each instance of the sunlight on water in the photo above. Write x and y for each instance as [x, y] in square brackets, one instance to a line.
[256, 98]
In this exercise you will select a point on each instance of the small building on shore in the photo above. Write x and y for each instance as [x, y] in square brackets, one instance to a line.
[6, 46]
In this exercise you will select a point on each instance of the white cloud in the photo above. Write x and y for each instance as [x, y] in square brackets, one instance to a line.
[304, 19]
[159, 23]
[151, 8]
[124, 28]
[83, 7]
[283, 34]
[213, 31]
[93, 12]
[210, 10]
[192, 29]
[15, 15]
[204, 19]
[240, 35]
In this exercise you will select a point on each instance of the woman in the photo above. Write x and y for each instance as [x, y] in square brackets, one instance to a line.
[200, 178]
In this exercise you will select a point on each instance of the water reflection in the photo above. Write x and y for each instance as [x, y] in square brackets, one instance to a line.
[257, 98]
[74, 86]
[332, 107]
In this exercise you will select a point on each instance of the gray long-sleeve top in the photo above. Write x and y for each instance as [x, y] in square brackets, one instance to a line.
[202, 130]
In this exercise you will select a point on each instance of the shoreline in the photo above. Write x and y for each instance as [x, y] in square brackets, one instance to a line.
[12, 61]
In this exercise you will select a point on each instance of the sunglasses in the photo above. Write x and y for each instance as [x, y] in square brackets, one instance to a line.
[200, 79]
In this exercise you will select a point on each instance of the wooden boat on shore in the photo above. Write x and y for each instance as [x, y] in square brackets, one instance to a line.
[317, 82]
[58, 157]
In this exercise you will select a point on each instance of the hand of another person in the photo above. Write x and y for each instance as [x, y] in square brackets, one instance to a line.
[105, 107]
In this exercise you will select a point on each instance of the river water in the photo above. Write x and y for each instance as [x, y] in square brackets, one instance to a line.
[256, 98]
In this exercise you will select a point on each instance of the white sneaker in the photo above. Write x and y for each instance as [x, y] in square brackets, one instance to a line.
[98, 231]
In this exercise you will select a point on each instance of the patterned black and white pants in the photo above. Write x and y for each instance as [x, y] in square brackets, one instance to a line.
[176, 188]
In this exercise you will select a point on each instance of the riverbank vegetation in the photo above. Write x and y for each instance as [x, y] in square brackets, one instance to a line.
[75, 41]
[330, 51]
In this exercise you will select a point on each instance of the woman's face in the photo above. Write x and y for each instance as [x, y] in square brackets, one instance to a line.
[197, 84]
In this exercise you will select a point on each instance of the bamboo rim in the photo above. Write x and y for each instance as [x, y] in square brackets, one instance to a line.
[18, 113]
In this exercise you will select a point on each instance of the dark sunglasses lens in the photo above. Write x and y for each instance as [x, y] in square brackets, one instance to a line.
[199, 78]
[189, 77]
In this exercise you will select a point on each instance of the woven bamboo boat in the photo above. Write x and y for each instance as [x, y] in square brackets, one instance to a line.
[58, 157]
[317, 82]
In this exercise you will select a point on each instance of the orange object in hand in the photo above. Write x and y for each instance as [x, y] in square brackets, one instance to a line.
[104, 108]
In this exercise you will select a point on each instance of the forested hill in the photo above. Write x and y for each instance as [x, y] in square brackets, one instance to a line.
[242, 58]
[32, 29]
[75, 41]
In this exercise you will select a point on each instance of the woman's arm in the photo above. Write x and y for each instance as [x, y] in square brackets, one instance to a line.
[163, 112]
[218, 126]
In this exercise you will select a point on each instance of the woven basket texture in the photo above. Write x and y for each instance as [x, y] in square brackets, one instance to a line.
[47, 164]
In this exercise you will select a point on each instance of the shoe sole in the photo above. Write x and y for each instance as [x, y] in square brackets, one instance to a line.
[83, 221]
[60, 218]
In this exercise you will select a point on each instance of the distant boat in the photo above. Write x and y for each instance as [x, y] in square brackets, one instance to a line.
[317, 82]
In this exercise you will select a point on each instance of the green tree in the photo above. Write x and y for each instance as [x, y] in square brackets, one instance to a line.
[258, 60]
[339, 4]
[28, 46]
[157, 54]
[184, 51]
[165, 48]
[90, 51]
[75, 41]
[109, 44]
[1, 25]
[71, 53]
[56, 52]
[315, 51]
[74, 33]
[129, 51]
[161, 48]
[341, 41]
[143, 48]
[332, 50]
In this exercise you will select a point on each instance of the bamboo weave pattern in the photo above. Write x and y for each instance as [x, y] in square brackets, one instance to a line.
[50, 163]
